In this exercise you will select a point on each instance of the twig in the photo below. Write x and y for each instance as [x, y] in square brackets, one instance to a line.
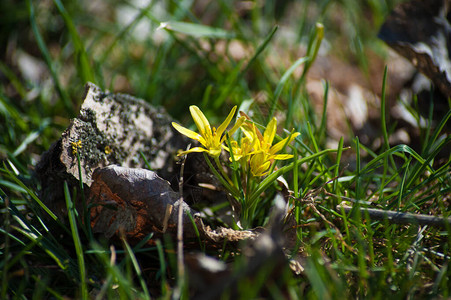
[180, 264]
[167, 215]
[309, 200]
[401, 217]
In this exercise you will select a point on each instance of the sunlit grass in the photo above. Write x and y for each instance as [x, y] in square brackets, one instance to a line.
[188, 59]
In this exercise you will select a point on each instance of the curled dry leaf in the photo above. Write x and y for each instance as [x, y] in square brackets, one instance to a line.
[136, 201]
[420, 31]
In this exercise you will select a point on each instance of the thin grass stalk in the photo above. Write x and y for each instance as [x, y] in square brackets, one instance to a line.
[281, 84]
[337, 168]
[312, 52]
[424, 163]
[85, 70]
[323, 125]
[402, 185]
[398, 148]
[272, 177]
[48, 60]
[315, 144]
[383, 114]
[124, 286]
[86, 217]
[235, 193]
[358, 178]
[196, 231]
[260, 49]
[126, 30]
[146, 162]
[290, 110]
[296, 174]
[137, 268]
[388, 248]
[31, 137]
[6, 254]
[77, 242]
[162, 265]
[30, 192]
[54, 293]
[307, 177]
[437, 131]
[429, 122]
[14, 80]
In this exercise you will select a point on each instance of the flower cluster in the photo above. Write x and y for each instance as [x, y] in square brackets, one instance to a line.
[75, 146]
[252, 156]
[254, 150]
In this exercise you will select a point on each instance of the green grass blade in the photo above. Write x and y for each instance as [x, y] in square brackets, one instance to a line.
[123, 33]
[437, 131]
[162, 265]
[85, 71]
[296, 174]
[15, 81]
[137, 268]
[260, 49]
[323, 125]
[282, 83]
[272, 177]
[48, 59]
[402, 185]
[337, 169]
[29, 192]
[31, 137]
[77, 242]
[60, 259]
[357, 167]
[383, 120]
[196, 30]
[375, 162]
[115, 277]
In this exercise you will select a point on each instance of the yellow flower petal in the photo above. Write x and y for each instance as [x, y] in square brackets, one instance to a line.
[201, 121]
[270, 132]
[260, 170]
[248, 133]
[279, 146]
[224, 124]
[214, 152]
[194, 149]
[237, 125]
[282, 156]
[259, 163]
[189, 133]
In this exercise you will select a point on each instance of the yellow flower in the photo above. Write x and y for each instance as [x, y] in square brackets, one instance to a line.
[108, 150]
[75, 146]
[265, 153]
[209, 137]
[260, 163]
[243, 150]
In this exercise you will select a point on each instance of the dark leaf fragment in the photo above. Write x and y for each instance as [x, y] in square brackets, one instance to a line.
[421, 31]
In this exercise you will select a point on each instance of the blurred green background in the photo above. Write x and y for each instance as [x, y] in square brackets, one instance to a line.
[50, 49]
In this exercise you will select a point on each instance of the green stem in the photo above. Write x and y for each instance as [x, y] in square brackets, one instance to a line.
[272, 177]
[223, 173]
[235, 193]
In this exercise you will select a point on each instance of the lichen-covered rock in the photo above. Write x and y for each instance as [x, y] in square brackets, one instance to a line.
[110, 129]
